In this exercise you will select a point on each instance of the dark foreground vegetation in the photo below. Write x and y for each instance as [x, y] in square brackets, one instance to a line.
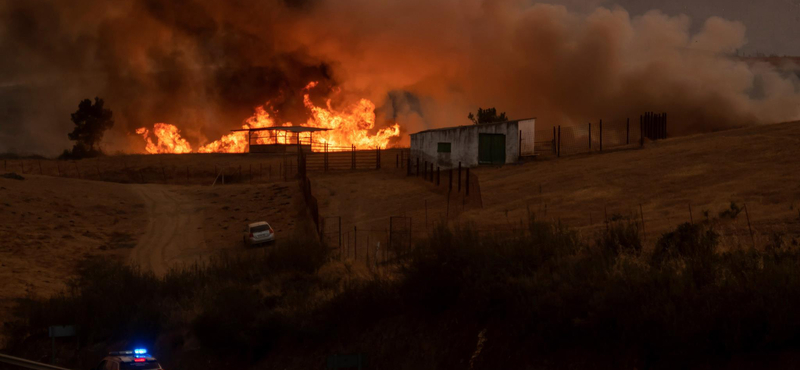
[539, 299]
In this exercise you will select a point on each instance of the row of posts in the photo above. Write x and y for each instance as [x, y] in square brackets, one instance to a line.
[433, 173]
[651, 125]
[326, 162]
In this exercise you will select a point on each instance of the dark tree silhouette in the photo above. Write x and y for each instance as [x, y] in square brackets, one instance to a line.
[91, 121]
[488, 115]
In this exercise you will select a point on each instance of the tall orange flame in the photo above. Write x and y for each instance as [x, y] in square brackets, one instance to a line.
[169, 139]
[347, 128]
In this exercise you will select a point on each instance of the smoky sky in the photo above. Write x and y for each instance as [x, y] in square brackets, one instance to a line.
[204, 65]
[152, 61]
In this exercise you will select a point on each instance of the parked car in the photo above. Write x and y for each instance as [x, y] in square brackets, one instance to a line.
[258, 233]
[137, 359]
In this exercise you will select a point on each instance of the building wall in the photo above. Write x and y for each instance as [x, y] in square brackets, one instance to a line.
[528, 129]
[463, 144]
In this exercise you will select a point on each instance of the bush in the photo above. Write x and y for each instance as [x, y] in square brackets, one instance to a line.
[732, 212]
[688, 241]
[539, 293]
[112, 301]
[621, 237]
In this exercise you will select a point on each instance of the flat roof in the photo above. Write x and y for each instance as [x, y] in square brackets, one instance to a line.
[473, 125]
[284, 128]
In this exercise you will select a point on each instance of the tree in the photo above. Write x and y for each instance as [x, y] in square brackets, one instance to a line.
[91, 121]
[488, 115]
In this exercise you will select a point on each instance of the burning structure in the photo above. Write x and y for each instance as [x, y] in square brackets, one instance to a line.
[352, 126]
[490, 143]
[280, 139]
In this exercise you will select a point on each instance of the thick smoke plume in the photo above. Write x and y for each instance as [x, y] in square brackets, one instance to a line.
[203, 65]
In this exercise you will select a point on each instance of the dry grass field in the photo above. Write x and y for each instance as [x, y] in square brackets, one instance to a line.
[199, 169]
[48, 225]
[755, 166]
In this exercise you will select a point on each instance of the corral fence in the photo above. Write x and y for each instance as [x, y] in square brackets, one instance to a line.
[308, 197]
[332, 158]
[600, 136]
[457, 184]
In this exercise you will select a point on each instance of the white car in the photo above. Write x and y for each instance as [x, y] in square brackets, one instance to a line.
[258, 233]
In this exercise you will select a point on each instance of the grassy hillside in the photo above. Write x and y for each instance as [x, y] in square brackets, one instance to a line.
[757, 166]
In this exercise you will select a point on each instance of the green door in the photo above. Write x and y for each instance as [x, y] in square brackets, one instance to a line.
[491, 148]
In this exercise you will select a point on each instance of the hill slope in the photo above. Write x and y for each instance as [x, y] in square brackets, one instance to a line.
[757, 166]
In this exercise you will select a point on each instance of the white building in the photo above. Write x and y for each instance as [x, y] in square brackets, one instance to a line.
[489, 143]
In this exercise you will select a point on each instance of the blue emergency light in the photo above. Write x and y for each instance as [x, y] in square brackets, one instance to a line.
[140, 351]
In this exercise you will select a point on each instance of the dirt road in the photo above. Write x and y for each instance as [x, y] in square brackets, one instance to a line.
[174, 234]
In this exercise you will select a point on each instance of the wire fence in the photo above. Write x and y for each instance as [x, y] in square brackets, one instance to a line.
[600, 136]
[456, 184]
[381, 243]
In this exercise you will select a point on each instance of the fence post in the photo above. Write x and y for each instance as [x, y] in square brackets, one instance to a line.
[467, 182]
[425, 170]
[752, 238]
[438, 175]
[656, 129]
[555, 150]
[353, 165]
[459, 177]
[559, 141]
[432, 171]
[408, 167]
[519, 148]
[377, 162]
[628, 131]
[397, 160]
[641, 131]
[601, 135]
[665, 125]
[417, 166]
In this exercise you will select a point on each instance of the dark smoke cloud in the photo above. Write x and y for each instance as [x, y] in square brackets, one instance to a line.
[203, 65]
[196, 64]
[543, 60]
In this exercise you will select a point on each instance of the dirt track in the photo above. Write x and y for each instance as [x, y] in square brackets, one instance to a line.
[173, 235]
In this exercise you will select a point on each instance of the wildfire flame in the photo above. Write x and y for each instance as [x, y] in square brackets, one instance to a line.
[169, 139]
[351, 126]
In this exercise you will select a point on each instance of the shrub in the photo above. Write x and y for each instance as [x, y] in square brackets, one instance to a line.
[620, 238]
[304, 256]
[688, 241]
[732, 212]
